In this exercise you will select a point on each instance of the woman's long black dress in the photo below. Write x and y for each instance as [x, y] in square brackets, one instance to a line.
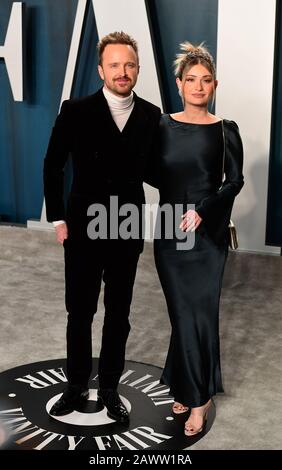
[190, 171]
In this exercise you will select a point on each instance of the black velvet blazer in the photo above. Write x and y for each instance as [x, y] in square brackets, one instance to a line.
[105, 161]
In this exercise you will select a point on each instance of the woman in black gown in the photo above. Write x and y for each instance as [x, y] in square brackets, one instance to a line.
[195, 146]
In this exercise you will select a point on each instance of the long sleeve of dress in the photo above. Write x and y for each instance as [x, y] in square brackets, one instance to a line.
[234, 180]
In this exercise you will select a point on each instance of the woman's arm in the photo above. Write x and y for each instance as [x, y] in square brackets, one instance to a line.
[234, 179]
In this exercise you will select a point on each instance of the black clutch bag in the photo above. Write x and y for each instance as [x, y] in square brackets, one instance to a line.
[233, 239]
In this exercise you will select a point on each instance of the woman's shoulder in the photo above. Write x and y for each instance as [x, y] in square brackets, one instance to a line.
[233, 136]
[165, 121]
[230, 124]
[164, 117]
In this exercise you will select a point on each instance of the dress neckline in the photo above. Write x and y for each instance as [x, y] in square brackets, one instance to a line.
[193, 123]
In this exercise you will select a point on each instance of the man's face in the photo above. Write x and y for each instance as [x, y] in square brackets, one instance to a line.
[119, 69]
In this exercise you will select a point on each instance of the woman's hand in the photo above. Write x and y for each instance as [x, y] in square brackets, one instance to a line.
[191, 221]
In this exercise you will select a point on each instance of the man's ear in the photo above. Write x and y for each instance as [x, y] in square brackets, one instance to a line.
[215, 84]
[101, 72]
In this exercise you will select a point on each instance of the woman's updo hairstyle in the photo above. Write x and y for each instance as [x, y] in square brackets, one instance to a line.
[193, 55]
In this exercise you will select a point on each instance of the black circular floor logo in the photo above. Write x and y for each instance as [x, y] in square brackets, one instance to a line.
[28, 392]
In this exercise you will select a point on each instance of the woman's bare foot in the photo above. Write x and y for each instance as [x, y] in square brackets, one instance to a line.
[178, 408]
[195, 423]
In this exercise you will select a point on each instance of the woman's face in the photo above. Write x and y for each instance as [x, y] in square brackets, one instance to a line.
[197, 85]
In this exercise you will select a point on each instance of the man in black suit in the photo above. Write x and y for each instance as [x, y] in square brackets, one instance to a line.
[110, 136]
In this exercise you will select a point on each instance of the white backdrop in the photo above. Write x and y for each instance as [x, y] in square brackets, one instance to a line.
[245, 55]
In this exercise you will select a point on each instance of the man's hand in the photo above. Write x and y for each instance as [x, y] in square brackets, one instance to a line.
[61, 232]
[191, 221]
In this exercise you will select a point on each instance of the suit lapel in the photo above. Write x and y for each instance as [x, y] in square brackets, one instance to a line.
[136, 122]
[102, 111]
[107, 135]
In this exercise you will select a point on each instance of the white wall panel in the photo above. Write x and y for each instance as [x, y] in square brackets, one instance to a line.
[245, 53]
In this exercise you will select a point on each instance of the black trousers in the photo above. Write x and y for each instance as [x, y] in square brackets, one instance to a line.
[86, 265]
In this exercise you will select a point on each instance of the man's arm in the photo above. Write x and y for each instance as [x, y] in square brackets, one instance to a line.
[54, 163]
[152, 171]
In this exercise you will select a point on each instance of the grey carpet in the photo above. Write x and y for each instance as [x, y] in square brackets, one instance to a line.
[249, 414]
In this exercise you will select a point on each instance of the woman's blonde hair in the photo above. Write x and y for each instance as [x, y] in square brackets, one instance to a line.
[193, 55]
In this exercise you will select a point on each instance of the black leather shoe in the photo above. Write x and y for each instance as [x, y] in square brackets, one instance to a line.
[111, 400]
[73, 397]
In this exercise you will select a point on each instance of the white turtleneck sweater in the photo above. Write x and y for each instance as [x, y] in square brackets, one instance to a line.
[120, 107]
[120, 110]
